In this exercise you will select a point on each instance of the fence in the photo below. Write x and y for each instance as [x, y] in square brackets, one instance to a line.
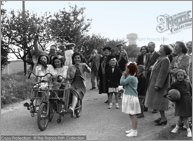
[14, 66]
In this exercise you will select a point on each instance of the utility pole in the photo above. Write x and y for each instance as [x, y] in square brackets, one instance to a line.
[24, 38]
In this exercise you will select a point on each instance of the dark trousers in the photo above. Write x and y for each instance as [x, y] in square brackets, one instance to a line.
[141, 101]
[94, 75]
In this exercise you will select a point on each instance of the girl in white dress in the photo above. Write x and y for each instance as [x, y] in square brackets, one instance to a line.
[130, 101]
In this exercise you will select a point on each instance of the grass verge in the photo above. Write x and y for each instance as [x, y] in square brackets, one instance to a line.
[15, 87]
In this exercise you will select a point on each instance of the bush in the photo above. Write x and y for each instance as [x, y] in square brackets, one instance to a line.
[14, 88]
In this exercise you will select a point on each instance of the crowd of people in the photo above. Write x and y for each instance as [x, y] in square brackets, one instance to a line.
[144, 83]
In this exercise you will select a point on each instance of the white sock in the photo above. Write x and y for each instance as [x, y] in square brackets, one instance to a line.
[188, 129]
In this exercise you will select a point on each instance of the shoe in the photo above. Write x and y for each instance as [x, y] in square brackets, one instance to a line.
[145, 109]
[128, 131]
[62, 111]
[189, 133]
[132, 134]
[175, 130]
[26, 105]
[93, 88]
[70, 110]
[154, 111]
[140, 116]
[117, 106]
[157, 120]
[161, 123]
[110, 105]
[106, 101]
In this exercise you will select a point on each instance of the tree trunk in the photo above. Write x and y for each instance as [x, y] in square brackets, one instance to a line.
[24, 51]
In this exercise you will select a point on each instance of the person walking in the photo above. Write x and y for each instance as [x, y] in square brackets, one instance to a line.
[130, 101]
[95, 62]
[151, 59]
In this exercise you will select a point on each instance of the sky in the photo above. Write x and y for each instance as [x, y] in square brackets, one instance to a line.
[117, 19]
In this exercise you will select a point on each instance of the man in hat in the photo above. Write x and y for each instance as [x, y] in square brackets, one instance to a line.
[95, 62]
[104, 64]
[121, 51]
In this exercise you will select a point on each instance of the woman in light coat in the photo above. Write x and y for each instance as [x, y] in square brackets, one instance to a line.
[181, 61]
[159, 82]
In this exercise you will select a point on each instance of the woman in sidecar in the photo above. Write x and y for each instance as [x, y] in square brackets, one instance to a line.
[76, 80]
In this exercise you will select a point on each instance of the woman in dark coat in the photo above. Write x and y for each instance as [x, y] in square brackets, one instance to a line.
[141, 58]
[104, 64]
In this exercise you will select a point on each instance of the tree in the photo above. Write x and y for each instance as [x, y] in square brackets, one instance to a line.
[98, 42]
[4, 47]
[18, 33]
[132, 50]
[113, 45]
[70, 26]
[92, 42]
[4, 55]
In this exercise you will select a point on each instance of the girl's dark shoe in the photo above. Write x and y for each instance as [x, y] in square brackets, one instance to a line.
[161, 123]
[145, 109]
[106, 102]
[154, 111]
[93, 88]
[140, 116]
[157, 120]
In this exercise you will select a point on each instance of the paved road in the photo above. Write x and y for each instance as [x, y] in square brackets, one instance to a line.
[97, 121]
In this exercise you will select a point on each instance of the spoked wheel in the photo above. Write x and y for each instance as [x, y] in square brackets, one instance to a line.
[42, 119]
[78, 109]
[61, 114]
[52, 112]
